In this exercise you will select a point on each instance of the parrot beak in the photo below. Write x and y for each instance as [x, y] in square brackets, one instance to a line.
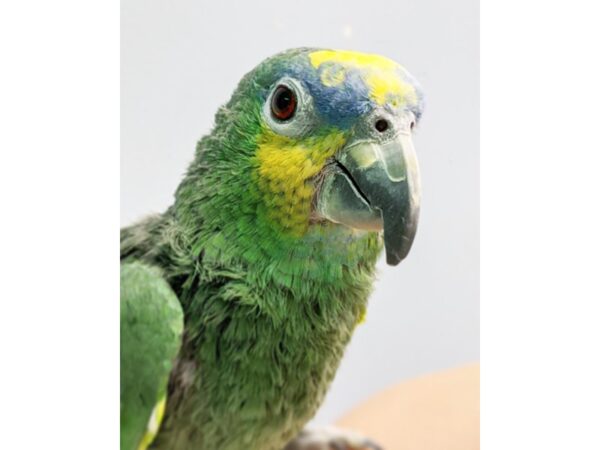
[376, 186]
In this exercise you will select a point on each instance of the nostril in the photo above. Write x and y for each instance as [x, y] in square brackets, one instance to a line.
[412, 125]
[381, 125]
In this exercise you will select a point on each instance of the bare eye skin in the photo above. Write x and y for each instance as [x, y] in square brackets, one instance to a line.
[283, 103]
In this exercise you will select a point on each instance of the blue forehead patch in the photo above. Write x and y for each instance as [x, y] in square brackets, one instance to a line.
[344, 85]
[339, 105]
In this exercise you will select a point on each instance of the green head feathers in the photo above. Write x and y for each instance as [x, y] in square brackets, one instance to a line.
[300, 171]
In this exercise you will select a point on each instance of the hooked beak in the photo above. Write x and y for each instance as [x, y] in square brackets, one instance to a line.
[375, 187]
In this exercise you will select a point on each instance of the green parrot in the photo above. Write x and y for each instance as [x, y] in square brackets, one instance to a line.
[237, 302]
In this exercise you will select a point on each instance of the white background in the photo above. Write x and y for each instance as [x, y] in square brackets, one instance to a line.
[59, 167]
[181, 60]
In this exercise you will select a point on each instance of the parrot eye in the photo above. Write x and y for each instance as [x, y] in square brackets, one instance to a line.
[381, 125]
[283, 103]
[288, 109]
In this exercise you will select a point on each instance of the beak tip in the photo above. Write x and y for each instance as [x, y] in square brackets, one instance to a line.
[396, 252]
[393, 259]
[393, 262]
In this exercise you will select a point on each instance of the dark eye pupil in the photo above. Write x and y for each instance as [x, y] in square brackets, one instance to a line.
[283, 103]
[381, 125]
[283, 100]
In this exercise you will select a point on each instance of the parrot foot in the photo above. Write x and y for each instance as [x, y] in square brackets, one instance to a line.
[331, 438]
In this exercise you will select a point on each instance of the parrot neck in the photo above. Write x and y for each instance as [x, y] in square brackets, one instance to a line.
[330, 268]
[323, 256]
[221, 212]
[222, 234]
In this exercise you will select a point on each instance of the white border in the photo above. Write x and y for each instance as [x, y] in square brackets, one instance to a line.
[59, 165]
[540, 202]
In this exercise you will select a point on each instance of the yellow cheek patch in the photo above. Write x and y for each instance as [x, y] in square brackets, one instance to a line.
[382, 76]
[286, 168]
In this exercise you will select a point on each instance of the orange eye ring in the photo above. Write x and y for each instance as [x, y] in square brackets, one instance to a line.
[283, 103]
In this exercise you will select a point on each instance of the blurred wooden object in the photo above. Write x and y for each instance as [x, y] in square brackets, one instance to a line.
[434, 412]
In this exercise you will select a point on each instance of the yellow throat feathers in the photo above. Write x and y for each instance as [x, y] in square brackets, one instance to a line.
[286, 168]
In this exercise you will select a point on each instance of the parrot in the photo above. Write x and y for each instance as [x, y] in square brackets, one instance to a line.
[238, 301]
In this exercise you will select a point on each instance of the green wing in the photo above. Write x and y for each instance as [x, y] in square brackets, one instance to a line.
[151, 327]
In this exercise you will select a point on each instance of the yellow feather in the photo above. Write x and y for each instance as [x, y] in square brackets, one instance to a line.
[286, 169]
[382, 76]
[153, 424]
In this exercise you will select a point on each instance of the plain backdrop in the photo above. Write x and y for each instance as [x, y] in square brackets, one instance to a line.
[181, 60]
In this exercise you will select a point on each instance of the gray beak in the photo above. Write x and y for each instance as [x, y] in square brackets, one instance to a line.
[376, 186]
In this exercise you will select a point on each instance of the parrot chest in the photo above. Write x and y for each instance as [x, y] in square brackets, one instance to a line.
[250, 382]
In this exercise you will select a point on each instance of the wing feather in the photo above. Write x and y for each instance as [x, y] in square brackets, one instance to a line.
[151, 328]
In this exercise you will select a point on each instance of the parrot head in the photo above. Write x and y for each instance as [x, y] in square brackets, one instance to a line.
[315, 143]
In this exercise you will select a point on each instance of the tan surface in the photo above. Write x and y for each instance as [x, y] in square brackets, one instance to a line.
[433, 412]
